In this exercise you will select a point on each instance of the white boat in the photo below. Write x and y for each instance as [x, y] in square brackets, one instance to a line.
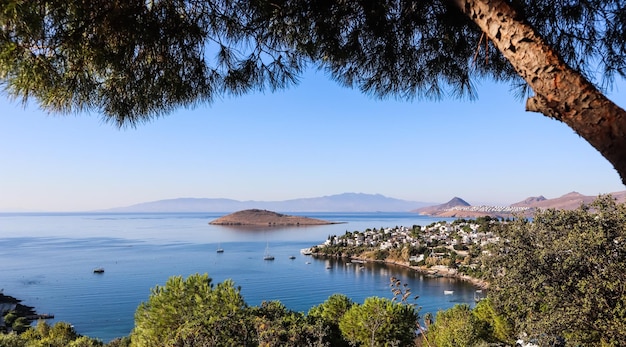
[267, 255]
[478, 295]
[220, 249]
[448, 292]
[98, 270]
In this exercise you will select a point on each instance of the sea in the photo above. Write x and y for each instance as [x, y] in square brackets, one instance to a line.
[47, 261]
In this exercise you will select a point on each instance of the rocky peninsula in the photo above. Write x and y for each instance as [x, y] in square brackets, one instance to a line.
[256, 217]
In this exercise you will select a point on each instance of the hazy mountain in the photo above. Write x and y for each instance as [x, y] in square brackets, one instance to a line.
[346, 202]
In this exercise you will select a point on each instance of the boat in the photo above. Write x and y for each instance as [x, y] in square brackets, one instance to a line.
[267, 255]
[98, 270]
[219, 248]
[448, 292]
[478, 295]
[292, 257]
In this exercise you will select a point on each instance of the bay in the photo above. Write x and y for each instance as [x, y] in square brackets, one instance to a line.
[47, 260]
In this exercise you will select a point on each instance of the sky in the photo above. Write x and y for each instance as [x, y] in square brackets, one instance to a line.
[315, 139]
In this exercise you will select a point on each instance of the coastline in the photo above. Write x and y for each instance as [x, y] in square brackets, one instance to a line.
[437, 270]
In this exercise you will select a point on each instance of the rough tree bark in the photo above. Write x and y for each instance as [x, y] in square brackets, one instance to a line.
[560, 92]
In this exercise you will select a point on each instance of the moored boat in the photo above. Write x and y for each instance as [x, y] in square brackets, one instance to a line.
[267, 255]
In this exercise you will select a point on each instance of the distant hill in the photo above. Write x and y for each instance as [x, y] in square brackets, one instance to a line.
[569, 201]
[529, 202]
[459, 208]
[433, 210]
[346, 202]
[256, 217]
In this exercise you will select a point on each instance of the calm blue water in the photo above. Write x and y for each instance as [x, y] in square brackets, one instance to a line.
[47, 261]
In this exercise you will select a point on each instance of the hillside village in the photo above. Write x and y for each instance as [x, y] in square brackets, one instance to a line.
[441, 248]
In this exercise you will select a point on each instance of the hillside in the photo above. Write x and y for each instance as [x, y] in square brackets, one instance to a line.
[458, 208]
[433, 210]
[256, 217]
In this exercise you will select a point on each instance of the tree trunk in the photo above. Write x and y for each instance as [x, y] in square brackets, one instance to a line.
[560, 91]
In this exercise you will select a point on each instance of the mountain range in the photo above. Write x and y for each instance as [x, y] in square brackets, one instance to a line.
[459, 208]
[346, 202]
[360, 202]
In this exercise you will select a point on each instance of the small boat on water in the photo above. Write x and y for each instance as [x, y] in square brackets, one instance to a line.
[478, 295]
[292, 257]
[267, 255]
[98, 270]
[448, 292]
[220, 249]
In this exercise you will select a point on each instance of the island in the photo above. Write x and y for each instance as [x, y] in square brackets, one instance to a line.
[256, 217]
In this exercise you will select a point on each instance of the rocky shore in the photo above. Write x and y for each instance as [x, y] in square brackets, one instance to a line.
[433, 271]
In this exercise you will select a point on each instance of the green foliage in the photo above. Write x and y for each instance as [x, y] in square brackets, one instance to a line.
[43, 335]
[134, 59]
[278, 326]
[562, 275]
[379, 322]
[381, 254]
[20, 324]
[12, 340]
[329, 313]
[190, 312]
[9, 318]
[496, 327]
[84, 341]
[456, 327]
[61, 334]
[120, 342]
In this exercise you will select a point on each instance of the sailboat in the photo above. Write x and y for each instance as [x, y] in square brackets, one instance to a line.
[267, 255]
[219, 249]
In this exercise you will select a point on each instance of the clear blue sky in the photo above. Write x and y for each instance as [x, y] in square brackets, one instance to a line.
[311, 140]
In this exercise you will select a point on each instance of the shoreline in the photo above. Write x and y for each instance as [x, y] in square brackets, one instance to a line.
[437, 270]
